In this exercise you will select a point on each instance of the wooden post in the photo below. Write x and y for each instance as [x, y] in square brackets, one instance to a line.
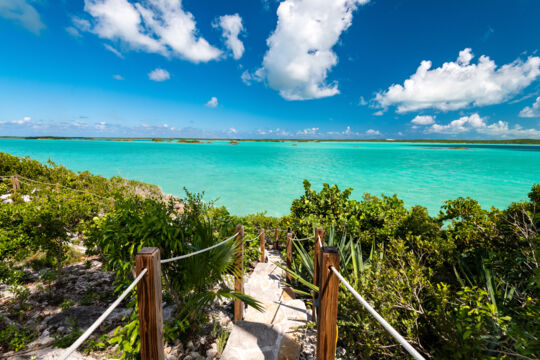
[276, 241]
[149, 300]
[328, 305]
[319, 233]
[289, 256]
[239, 263]
[14, 184]
[263, 257]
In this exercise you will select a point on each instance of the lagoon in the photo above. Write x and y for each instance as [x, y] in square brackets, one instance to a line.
[266, 176]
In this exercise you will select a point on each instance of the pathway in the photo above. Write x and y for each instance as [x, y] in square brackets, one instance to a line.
[272, 334]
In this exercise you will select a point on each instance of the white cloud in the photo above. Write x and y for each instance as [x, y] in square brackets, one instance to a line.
[531, 111]
[311, 131]
[118, 77]
[475, 123]
[73, 32]
[81, 24]
[423, 120]
[114, 51]
[248, 77]
[159, 75]
[232, 131]
[157, 26]
[101, 125]
[231, 25]
[274, 132]
[372, 132]
[300, 52]
[463, 124]
[379, 113]
[459, 84]
[212, 103]
[362, 101]
[21, 12]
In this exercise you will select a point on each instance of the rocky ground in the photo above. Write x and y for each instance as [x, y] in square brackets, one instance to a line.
[56, 312]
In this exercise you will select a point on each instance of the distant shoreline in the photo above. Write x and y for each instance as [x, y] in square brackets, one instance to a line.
[202, 140]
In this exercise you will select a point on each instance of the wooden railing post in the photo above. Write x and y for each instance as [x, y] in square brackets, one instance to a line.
[13, 184]
[239, 263]
[319, 233]
[328, 305]
[289, 256]
[276, 240]
[149, 300]
[263, 257]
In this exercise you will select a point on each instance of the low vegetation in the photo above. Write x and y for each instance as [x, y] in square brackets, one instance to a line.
[463, 284]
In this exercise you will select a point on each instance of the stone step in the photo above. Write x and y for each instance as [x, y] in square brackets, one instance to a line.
[272, 334]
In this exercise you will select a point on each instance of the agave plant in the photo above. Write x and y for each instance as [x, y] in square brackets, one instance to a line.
[352, 262]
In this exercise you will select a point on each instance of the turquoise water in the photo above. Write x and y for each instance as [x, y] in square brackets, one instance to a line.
[255, 176]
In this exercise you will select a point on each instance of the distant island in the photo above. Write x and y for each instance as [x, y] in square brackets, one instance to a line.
[236, 140]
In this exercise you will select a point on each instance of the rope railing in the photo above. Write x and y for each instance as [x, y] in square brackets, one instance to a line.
[51, 184]
[319, 240]
[255, 238]
[415, 354]
[103, 316]
[164, 261]
[303, 239]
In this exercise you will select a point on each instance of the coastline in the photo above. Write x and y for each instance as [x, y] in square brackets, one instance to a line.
[203, 140]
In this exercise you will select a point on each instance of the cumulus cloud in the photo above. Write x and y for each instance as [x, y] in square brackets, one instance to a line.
[159, 75]
[307, 132]
[423, 120]
[531, 111]
[24, 14]
[118, 77]
[274, 132]
[212, 103]
[155, 26]
[300, 54]
[459, 84]
[231, 26]
[372, 132]
[475, 123]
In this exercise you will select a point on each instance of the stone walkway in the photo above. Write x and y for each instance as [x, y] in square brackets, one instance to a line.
[271, 334]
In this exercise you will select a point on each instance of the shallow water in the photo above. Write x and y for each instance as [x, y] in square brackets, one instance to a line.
[266, 176]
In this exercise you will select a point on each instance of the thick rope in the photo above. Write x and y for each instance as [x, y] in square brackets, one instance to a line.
[103, 316]
[255, 238]
[50, 184]
[415, 354]
[198, 251]
[307, 238]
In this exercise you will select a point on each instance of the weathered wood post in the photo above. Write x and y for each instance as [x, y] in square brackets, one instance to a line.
[263, 257]
[239, 263]
[14, 184]
[276, 240]
[149, 300]
[328, 305]
[289, 256]
[319, 234]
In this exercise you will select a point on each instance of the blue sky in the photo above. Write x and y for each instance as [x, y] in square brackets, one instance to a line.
[265, 69]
